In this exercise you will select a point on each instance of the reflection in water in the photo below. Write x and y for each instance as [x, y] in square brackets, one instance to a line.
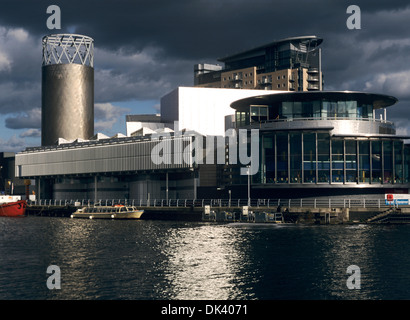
[206, 262]
[354, 246]
[102, 259]
[74, 249]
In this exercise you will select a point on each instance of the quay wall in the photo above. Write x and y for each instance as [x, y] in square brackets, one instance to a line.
[222, 214]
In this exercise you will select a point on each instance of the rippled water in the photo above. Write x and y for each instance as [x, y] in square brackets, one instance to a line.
[104, 259]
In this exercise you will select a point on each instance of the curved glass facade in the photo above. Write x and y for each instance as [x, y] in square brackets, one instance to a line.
[288, 157]
[322, 109]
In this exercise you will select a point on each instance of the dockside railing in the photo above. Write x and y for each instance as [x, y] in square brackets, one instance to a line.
[228, 203]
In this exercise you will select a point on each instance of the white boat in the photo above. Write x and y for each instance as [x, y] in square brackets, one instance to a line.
[108, 212]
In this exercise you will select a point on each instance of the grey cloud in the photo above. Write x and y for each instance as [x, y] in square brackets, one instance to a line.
[25, 120]
[144, 49]
[31, 133]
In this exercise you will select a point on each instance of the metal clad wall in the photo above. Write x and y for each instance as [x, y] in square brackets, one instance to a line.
[67, 102]
[129, 156]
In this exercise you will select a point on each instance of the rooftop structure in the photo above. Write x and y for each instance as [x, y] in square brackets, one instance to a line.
[291, 64]
[67, 88]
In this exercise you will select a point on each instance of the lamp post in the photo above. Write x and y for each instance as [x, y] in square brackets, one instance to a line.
[249, 186]
[229, 203]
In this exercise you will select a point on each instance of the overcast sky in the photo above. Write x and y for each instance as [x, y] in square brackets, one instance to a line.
[145, 49]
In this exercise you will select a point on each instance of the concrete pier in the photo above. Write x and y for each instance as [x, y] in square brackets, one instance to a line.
[304, 215]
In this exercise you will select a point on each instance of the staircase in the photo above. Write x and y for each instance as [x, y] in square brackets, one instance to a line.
[384, 216]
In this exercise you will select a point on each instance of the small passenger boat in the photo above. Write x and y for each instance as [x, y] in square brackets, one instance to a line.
[108, 212]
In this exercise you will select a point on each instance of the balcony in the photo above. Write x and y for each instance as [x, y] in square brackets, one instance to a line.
[313, 86]
[265, 81]
[313, 70]
[313, 78]
[236, 77]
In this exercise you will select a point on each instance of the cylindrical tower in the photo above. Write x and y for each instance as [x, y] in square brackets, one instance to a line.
[67, 88]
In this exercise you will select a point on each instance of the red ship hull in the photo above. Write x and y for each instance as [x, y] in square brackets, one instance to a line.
[13, 209]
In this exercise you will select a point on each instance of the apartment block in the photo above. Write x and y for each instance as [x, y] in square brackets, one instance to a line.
[292, 64]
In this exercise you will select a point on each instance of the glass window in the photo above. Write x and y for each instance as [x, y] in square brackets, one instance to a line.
[307, 109]
[398, 162]
[323, 148]
[269, 158]
[324, 109]
[388, 161]
[238, 119]
[406, 163]
[332, 109]
[295, 157]
[376, 161]
[309, 157]
[297, 109]
[259, 113]
[316, 106]
[365, 111]
[337, 161]
[364, 161]
[351, 160]
[351, 107]
[287, 110]
[282, 157]
[342, 109]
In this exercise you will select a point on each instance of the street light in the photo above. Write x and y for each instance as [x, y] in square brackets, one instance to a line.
[229, 191]
[249, 186]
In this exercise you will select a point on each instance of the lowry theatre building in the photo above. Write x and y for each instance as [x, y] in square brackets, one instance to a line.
[324, 143]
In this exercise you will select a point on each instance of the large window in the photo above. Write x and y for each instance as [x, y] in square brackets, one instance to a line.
[282, 157]
[295, 157]
[259, 113]
[376, 161]
[287, 110]
[406, 165]
[337, 161]
[269, 160]
[323, 150]
[241, 118]
[351, 160]
[365, 111]
[309, 157]
[325, 109]
[364, 161]
[388, 161]
[398, 162]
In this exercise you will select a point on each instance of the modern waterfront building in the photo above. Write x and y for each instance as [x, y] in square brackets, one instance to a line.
[310, 143]
[122, 167]
[323, 144]
[291, 64]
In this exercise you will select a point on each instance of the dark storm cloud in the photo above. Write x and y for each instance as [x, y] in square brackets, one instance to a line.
[144, 49]
[191, 28]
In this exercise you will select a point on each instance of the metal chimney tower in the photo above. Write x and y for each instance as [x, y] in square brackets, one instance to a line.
[67, 88]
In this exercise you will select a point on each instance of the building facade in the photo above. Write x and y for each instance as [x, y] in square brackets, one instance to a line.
[292, 64]
[324, 144]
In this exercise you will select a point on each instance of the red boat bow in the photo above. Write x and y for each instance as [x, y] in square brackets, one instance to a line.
[13, 209]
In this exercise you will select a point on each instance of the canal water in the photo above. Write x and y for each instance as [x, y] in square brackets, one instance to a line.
[169, 260]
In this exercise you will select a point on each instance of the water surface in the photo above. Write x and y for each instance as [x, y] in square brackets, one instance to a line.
[142, 259]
